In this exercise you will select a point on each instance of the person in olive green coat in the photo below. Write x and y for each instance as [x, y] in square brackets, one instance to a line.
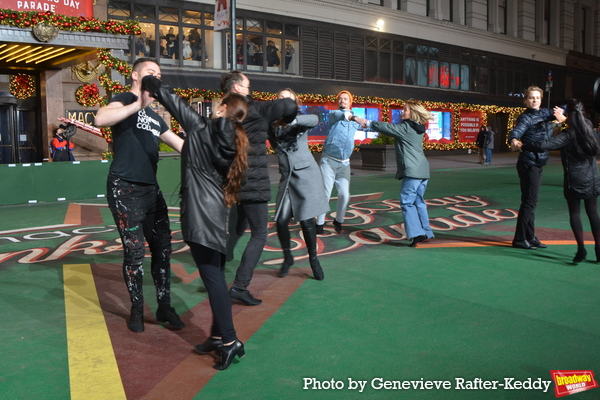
[413, 168]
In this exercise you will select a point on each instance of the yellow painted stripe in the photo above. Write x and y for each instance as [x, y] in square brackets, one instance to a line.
[93, 370]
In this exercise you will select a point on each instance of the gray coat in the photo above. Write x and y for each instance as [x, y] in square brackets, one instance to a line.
[300, 174]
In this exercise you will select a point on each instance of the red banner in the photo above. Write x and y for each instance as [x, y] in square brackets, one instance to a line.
[71, 8]
[468, 125]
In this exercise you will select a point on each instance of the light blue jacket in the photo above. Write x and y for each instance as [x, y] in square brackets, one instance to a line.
[340, 135]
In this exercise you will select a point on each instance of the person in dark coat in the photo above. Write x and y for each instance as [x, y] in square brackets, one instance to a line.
[301, 192]
[481, 144]
[253, 209]
[578, 146]
[213, 164]
[533, 125]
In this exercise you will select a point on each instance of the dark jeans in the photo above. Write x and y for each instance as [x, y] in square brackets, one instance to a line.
[531, 182]
[140, 212]
[211, 265]
[255, 215]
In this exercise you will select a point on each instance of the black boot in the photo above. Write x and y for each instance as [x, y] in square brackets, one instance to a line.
[580, 255]
[288, 261]
[315, 265]
[228, 353]
[136, 319]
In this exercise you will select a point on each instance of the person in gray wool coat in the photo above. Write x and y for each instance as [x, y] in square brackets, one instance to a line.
[301, 192]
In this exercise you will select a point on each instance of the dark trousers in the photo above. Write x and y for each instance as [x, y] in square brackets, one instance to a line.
[140, 212]
[531, 182]
[591, 209]
[256, 216]
[211, 264]
[309, 229]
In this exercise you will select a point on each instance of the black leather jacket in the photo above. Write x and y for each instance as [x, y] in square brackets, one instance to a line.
[533, 126]
[207, 154]
[580, 171]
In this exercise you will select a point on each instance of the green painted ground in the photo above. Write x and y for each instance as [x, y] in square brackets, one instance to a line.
[384, 311]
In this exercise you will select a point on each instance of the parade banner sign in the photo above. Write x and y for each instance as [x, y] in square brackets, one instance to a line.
[222, 15]
[70, 8]
[468, 126]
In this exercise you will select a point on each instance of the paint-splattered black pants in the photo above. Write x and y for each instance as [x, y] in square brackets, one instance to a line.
[140, 211]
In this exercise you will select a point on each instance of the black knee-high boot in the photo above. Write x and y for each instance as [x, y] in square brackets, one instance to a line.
[309, 229]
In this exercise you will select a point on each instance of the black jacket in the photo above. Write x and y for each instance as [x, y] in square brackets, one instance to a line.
[261, 114]
[581, 171]
[207, 154]
[533, 126]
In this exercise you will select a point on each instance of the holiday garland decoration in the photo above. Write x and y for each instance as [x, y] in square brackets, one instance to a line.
[112, 86]
[89, 95]
[22, 86]
[106, 59]
[27, 19]
[384, 104]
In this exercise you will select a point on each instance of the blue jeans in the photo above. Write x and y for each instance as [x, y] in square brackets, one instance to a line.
[339, 173]
[488, 156]
[414, 209]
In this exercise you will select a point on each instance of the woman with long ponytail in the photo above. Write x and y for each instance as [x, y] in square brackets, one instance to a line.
[578, 149]
[214, 160]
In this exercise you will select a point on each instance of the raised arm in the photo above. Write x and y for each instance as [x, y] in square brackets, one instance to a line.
[175, 105]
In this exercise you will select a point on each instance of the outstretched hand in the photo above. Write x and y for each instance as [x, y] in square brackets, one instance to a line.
[361, 121]
[515, 145]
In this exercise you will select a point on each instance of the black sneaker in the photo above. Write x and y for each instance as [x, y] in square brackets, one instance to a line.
[337, 226]
[244, 296]
[320, 230]
[136, 320]
[167, 313]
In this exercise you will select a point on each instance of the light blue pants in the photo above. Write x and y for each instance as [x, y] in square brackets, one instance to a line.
[339, 173]
[414, 209]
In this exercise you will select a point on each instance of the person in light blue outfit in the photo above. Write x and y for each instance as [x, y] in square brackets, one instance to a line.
[335, 160]
[413, 168]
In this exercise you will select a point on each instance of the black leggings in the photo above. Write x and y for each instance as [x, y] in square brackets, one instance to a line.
[308, 228]
[211, 265]
[591, 209]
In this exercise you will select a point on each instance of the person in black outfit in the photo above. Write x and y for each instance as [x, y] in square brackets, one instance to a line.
[578, 146]
[253, 209]
[533, 125]
[214, 160]
[134, 198]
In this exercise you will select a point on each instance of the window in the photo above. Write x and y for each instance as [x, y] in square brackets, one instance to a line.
[502, 17]
[583, 24]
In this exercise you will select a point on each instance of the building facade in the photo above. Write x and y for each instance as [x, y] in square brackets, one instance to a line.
[459, 51]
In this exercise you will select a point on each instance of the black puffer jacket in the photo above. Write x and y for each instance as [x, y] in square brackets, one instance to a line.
[207, 154]
[581, 171]
[533, 126]
[261, 114]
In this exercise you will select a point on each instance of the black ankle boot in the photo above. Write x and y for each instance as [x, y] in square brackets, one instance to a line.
[210, 344]
[228, 353]
[315, 265]
[597, 251]
[580, 255]
[288, 261]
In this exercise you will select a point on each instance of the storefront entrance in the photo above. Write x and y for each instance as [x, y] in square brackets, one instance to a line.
[20, 141]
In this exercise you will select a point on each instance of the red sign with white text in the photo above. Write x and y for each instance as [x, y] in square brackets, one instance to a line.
[569, 382]
[468, 126]
[71, 8]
